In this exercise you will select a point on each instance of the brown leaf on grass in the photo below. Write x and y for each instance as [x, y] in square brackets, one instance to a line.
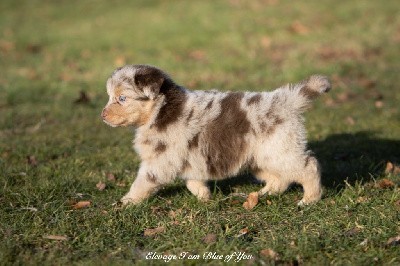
[111, 177]
[352, 232]
[34, 48]
[265, 42]
[393, 241]
[172, 214]
[299, 28]
[81, 204]
[251, 201]
[379, 104]
[385, 183]
[367, 83]
[392, 168]
[243, 232]
[397, 203]
[6, 46]
[101, 186]
[235, 202]
[269, 254]
[120, 184]
[269, 202]
[56, 237]
[350, 121]
[31, 160]
[198, 55]
[154, 231]
[209, 238]
[83, 98]
[345, 96]
[120, 61]
[362, 199]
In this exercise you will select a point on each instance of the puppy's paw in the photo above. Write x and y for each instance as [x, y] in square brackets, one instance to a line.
[204, 196]
[304, 202]
[128, 200]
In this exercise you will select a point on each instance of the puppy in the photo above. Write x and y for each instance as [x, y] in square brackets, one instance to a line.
[212, 135]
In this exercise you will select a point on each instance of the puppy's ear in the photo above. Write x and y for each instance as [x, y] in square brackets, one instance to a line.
[149, 80]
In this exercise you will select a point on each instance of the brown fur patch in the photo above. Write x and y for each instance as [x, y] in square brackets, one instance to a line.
[307, 161]
[146, 142]
[171, 111]
[189, 116]
[160, 147]
[151, 178]
[275, 121]
[273, 118]
[210, 104]
[254, 99]
[194, 142]
[185, 166]
[149, 77]
[224, 136]
[309, 93]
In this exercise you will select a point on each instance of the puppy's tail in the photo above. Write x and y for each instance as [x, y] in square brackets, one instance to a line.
[301, 94]
[314, 86]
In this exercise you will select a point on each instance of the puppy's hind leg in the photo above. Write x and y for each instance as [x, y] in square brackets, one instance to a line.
[310, 179]
[199, 189]
[275, 184]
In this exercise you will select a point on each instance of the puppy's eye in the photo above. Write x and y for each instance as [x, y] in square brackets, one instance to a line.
[122, 98]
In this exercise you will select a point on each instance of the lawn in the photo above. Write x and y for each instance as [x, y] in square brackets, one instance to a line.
[56, 153]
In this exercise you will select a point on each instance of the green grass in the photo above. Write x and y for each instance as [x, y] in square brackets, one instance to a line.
[49, 52]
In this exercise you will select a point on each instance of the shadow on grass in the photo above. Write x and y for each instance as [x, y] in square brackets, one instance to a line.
[357, 157]
[354, 157]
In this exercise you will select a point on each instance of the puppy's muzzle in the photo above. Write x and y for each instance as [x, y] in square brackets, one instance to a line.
[104, 113]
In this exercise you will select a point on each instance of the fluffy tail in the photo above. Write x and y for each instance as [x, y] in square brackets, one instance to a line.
[298, 96]
[314, 86]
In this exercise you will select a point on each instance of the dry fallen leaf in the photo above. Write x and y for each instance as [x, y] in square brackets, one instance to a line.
[34, 48]
[210, 238]
[83, 98]
[251, 201]
[350, 121]
[352, 232]
[101, 186]
[269, 202]
[56, 237]
[32, 160]
[393, 241]
[154, 231]
[120, 61]
[269, 254]
[385, 183]
[243, 232]
[81, 204]
[198, 55]
[379, 104]
[120, 184]
[6, 46]
[397, 203]
[265, 42]
[111, 177]
[298, 28]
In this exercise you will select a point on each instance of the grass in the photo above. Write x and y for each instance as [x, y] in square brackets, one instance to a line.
[49, 52]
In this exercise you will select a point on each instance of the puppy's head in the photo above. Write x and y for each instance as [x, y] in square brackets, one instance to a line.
[133, 92]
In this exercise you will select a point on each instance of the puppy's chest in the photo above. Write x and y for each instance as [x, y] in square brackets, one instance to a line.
[153, 148]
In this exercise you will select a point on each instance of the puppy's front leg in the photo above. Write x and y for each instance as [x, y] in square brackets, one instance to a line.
[144, 185]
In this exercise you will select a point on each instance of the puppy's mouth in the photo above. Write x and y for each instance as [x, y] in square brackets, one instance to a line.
[123, 123]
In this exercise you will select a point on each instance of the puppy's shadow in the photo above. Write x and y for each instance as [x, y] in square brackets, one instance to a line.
[356, 157]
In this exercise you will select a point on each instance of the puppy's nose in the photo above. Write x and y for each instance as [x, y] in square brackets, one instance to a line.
[104, 113]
